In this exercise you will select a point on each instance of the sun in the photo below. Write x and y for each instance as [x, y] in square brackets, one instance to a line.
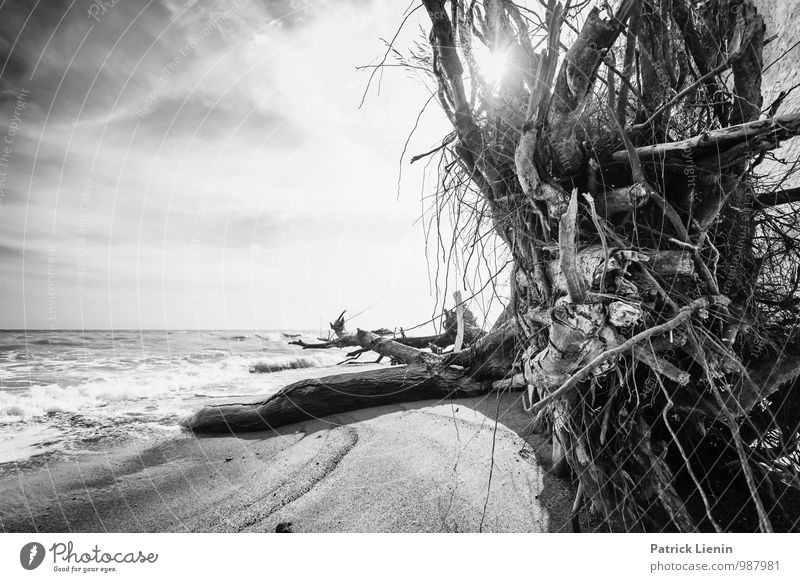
[493, 64]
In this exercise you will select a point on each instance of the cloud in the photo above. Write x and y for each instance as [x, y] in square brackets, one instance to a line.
[230, 130]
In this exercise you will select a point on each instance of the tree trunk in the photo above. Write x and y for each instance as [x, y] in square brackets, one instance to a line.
[318, 397]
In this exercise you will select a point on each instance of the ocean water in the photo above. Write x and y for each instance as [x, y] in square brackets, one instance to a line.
[69, 392]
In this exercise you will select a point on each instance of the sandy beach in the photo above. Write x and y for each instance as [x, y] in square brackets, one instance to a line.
[417, 467]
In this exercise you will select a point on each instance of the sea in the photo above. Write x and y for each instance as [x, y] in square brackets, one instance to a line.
[65, 393]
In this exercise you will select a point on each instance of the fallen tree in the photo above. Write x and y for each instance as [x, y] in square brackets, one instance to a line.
[654, 281]
[342, 338]
[420, 377]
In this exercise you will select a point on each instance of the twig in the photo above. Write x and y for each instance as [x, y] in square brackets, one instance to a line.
[386, 55]
[459, 321]
[685, 457]
[763, 518]
[448, 139]
[627, 66]
[576, 509]
[596, 221]
[660, 366]
[491, 467]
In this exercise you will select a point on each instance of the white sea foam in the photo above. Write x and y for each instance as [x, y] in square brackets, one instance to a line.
[113, 394]
[310, 360]
[124, 387]
[41, 400]
[85, 387]
[29, 441]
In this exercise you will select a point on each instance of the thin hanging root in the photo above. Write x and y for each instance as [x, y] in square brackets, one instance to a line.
[763, 518]
[684, 456]
[661, 367]
[603, 242]
[529, 408]
[576, 509]
[609, 404]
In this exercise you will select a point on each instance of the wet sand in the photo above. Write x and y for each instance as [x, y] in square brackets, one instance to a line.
[418, 467]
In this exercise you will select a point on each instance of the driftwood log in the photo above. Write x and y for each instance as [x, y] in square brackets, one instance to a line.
[315, 398]
[422, 375]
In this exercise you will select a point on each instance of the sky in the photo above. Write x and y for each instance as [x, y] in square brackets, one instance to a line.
[173, 164]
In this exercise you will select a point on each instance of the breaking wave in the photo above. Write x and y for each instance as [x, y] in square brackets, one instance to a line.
[280, 363]
[102, 393]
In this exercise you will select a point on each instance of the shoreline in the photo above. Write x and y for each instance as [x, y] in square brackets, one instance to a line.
[415, 467]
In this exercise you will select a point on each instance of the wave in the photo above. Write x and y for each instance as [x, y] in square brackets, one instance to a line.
[280, 363]
[129, 383]
[101, 394]
[57, 341]
[52, 398]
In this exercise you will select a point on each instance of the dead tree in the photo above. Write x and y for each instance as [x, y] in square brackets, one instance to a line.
[342, 338]
[654, 281]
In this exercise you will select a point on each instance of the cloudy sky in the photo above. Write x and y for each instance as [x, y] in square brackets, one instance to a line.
[204, 164]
